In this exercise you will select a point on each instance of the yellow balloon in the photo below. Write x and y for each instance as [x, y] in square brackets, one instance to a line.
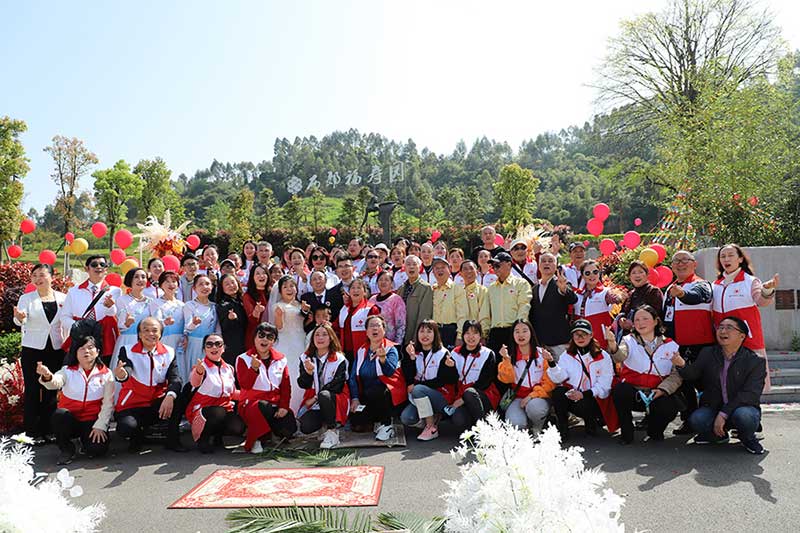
[127, 265]
[649, 257]
[68, 249]
[79, 246]
[331, 239]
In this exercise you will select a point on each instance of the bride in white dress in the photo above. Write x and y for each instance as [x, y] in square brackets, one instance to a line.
[291, 337]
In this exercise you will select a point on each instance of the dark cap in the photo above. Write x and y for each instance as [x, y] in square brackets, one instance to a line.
[501, 257]
[440, 259]
[581, 325]
[576, 245]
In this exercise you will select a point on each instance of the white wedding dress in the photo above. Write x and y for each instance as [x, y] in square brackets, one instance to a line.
[292, 343]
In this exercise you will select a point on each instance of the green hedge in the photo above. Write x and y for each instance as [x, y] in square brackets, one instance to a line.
[10, 346]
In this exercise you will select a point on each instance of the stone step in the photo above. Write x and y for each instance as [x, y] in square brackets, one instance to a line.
[784, 359]
[785, 376]
[782, 394]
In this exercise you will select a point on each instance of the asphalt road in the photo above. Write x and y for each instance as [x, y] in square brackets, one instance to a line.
[668, 486]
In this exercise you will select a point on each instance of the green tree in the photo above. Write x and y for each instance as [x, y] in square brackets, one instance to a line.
[475, 206]
[270, 212]
[13, 167]
[217, 216]
[316, 205]
[71, 160]
[514, 194]
[113, 188]
[155, 175]
[241, 221]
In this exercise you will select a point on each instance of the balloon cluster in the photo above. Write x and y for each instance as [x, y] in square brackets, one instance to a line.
[660, 276]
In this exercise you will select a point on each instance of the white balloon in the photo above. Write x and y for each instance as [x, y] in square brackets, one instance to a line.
[76, 491]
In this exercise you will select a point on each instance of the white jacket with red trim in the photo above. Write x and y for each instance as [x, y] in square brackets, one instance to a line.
[86, 396]
[78, 299]
[150, 375]
[216, 388]
[569, 370]
[642, 370]
[736, 299]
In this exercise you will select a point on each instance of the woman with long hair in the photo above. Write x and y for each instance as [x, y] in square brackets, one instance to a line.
[476, 393]
[292, 337]
[200, 319]
[232, 317]
[168, 310]
[318, 260]
[155, 267]
[255, 301]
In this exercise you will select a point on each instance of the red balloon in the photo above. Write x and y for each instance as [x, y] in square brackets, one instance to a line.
[595, 226]
[171, 263]
[632, 239]
[621, 243]
[114, 279]
[652, 277]
[99, 229]
[664, 276]
[435, 235]
[30, 287]
[334, 231]
[123, 238]
[601, 212]
[193, 241]
[607, 247]
[27, 226]
[14, 251]
[637, 222]
[499, 240]
[117, 256]
[660, 250]
[585, 244]
[69, 237]
[47, 257]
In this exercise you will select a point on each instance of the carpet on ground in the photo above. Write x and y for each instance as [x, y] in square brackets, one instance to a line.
[347, 486]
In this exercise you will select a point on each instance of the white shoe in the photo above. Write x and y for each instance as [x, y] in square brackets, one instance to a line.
[385, 432]
[331, 440]
[257, 448]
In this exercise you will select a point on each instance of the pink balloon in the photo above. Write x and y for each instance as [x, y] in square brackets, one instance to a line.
[27, 226]
[99, 229]
[601, 212]
[637, 222]
[664, 276]
[435, 235]
[621, 243]
[607, 247]
[171, 263]
[114, 279]
[595, 226]
[585, 244]
[193, 241]
[69, 237]
[499, 240]
[632, 239]
[14, 251]
[334, 231]
[30, 287]
[660, 250]
[117, 256]
[652, 277]
[47, 257]
[123, 238]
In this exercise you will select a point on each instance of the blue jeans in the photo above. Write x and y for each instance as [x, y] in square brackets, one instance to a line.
[409, 416]
[744, 419]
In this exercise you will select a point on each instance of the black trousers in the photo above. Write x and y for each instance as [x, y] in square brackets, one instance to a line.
[38, 403]
[498, 337]
[132, 423]
[283, 427]
[448, 332]
[67, 427]
[689, 388]
[379, 407]
[626, 400]
[313, 419]
[476, 406]
[220, 422]
[586, 408]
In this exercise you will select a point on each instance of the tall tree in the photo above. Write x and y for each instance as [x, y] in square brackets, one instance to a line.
[13, 167]
[241, 222]
[514, 194]
[71, 160]
[155, 175]
[217, 216]
[271, 216]
[113, 188]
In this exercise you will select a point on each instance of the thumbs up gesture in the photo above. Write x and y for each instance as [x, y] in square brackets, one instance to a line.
[200, 367]
[504, 352]
[381, 353]
[169, 321]
[772, 283]
[232, 315]
[448, 361]
[677, 360]
[196, 320]
[547, 356]
[309, 366]
[43, 371]
[411, 350]
[119, 372]
[129, 320]
[20, 315]
[561, 282]
[255, 363]
[258, 310]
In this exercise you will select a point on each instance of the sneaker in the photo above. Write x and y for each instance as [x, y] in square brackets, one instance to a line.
[66, 457]
[753, 446]
[384, 432]
[429, 433]
[331, 440]
[705, 440]
[419, 425]
[257, 448]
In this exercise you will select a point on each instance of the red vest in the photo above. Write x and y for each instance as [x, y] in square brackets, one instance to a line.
[693, 323]
[330, 366]
[641, 370]
[469, 369]
[147, 380]
[736, 299]
[82, 395]
[356, 318]
[593, 307]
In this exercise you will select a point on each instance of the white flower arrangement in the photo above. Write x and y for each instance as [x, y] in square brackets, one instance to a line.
[30, 507]
[517, 485]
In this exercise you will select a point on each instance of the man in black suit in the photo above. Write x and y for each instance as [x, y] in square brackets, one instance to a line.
[337, 293]
[318, 297]
[550, 303]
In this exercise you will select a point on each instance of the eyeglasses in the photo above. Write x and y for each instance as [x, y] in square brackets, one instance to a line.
[591, 272]
[681, 261]
[317, 257]
[266, 335]
[372, 257]
[726, 327]
[518, 248]
[214, 344]
[98, 264]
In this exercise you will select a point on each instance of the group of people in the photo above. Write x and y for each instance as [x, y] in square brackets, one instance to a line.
[320, 340]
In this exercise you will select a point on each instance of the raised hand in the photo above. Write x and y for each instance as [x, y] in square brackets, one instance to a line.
[676, 291]
[43, 371]
[279, 312]
[305, 307]
[258, 310]
[773, 283]
[109, 301]
[608, 334]
[199, 367]
[20, 315]
[129, 320]
[504, 352]
[561, 282]
[381, 353]
[232, 315]
[169, 321]
[196, 320]
[308, 366]
[448, 361]
[120, 373]
[255, 363]
[547, 356]
[677, 360]
[411, 350]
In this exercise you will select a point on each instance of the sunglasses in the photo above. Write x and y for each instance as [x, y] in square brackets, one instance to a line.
[214, 344]
[317, 257]
[591, 272]
[98, 264]
[265, 335]
[372, 257]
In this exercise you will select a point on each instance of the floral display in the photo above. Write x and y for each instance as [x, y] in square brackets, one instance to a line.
[159, 240]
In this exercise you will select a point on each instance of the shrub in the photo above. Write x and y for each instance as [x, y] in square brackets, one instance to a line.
[14, 278]
[10, 345]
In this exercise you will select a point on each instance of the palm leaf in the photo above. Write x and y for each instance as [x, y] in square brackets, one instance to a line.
[332, 458]
[411, 522]
[298, 520]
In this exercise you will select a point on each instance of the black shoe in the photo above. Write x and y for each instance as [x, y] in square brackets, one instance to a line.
[685, 429]
[217, 441]
[705, 440]
[753, 446]
[654, 438]
[641, 425]
[176, 446]
[134, 446]
[66, 456]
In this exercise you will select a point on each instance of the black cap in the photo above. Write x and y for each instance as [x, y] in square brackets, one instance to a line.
[582, 325]
[576, 245]
[502, 257]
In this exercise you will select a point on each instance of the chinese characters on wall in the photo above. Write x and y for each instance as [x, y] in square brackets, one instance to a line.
[333, 181]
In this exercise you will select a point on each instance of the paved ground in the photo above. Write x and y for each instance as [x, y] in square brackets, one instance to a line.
[668, 486]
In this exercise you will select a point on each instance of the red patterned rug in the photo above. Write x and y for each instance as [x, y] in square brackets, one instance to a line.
[347, 486]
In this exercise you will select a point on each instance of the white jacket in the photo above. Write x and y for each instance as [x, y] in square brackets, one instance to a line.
[569, 370]
[35, 327]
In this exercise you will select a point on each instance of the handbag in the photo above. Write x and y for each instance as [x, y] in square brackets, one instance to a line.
[511, 393]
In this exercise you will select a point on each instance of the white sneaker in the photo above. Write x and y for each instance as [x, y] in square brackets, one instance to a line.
[257, 448]
[385, 432]
[331, 440]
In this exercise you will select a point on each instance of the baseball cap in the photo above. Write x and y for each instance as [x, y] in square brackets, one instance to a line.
[501, 257]
[581, 325]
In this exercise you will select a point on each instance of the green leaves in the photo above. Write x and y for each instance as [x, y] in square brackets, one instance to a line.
[514, 194]
[326, 520]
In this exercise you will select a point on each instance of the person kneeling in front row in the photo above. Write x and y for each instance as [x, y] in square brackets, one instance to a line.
[733, 377]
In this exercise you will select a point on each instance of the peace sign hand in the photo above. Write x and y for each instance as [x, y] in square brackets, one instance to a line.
[561, 282]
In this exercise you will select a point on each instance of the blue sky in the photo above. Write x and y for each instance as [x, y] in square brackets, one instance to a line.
[194, 81]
